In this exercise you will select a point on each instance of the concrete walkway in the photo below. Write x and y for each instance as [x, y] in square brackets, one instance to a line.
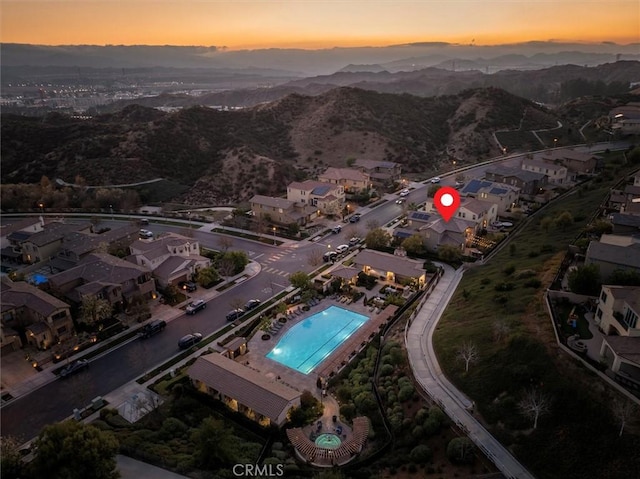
[133, 469]
[427, 371]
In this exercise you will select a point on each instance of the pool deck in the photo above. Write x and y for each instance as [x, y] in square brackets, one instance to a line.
[258, 348]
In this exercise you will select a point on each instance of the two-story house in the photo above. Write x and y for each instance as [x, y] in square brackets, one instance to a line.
[576, 162]
[13, 234]
[172, 258]
[617, 316]
[353, 181]
[381, 173]
[436, 232]
[43, 319]
[326, 197]
[481, 213]
[105, 277]
[555, 172]
[78, 245]
[612, 254]
[281, 210]
[45, 244]
[529, 182]
[505, 197]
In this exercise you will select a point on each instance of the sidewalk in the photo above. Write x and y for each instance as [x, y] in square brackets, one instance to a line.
[427, 371]
[164, 312]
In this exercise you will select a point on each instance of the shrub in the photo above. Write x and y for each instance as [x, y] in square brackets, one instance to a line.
[460, 450]
[533, 283]
[504, 286]
[405, 393]
[509, 270]
[386, 370]
[421, 454]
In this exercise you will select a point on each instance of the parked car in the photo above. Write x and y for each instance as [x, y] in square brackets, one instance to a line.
[336, 229]
[188, 286]
[74, 367]
[146, 234]
[459, 184]
[152, 328]
[399, 201]
[329, 256]
[354, 241]
[435, 179]
[343, 248]
[404, 192]
[189, 340]
[251, 304]
[234, 314]
[196, 306]
[355, 218]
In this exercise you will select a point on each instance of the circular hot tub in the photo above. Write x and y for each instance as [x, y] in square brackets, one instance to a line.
[328, 441]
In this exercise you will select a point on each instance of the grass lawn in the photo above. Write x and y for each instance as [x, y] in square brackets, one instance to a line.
[495, 309]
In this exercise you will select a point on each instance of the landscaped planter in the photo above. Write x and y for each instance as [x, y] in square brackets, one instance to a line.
[266, 337]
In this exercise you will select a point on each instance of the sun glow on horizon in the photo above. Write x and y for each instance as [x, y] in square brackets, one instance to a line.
[316, 24]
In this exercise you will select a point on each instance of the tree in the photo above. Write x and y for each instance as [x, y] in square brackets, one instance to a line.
[460, 450]
[314, 257]
[585, 280]
[501, 330]
[71, 449]
[377, 239]
[226, 267]
[350, 161]
[421, 454]
[534, 404]
[546, 223]
[414, 244]
[432, 190]
[239, 259]
[564, 220]
[468, 353]
[94, 309]
[207, 276]
[215, 445]
[600, 227]
[11, 463]
[300, 279]
[623, 410]
[624, 277]
[449, 253]
[224, 242]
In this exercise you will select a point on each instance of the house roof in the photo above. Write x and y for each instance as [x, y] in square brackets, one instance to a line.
[625, 347]
[346, 273]
[540, 163]
[273, 202]
[100, 267]
[249, 387]
[173, 264]
[625, 219]
[475, 206]
[629, 294]
[38, 327]
[318, 188]
[420, 216]
[620, 240]
[389, 262]
[343, 174]
[19, 225]
[566, 154]
[474, 186]
[21, 294]
[523, 175]
[82, 243]
[55, 232]
[627, 256]
[632, 190]
[454, 225]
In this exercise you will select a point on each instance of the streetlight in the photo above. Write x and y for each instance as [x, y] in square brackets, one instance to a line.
[189, 216]
[41, 205]
[555, 142]
[111, 209]
[274, 236]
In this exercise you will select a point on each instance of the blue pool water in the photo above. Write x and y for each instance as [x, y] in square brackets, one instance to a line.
[312, 340]
[37, 278]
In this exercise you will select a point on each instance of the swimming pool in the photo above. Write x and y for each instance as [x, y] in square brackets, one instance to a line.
[312, 340]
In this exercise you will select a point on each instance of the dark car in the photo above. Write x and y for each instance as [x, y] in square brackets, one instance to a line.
[188, 286]
[152, 328]
[336, 229]
[251, 304]
[329, 256]
[234, 314]
[189, 340]
[196, 306]
[74, 367]
[355, 218]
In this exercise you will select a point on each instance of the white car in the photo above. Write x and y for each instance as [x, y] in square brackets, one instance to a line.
[435, 179]
[399, 201]
[404, 192]
[343, 248]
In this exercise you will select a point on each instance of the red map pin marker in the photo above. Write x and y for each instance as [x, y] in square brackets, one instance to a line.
[447, 201]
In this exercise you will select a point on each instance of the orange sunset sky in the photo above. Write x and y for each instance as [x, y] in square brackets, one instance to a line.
[239, 24]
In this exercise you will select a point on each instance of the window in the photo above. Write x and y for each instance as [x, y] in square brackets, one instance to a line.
[630, 318]
[599, 313]
[603, 297]
[62, 330]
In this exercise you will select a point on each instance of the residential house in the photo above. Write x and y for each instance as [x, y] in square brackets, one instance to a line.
[626, 119]
[611, 256]
[243, 389]
[13, 234]
[436, 232]
[171, 258]
[77, 245]
[617, 316]
[555, 172]
[481, 213]
[44, 319]
[625, 223]
[529, 182]
[105, 277]
[505, 197]
[281, 210]
[45, 244]
[576, 162]
[326, 197]
[390, 267]
[381, 173]
[353, 181]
